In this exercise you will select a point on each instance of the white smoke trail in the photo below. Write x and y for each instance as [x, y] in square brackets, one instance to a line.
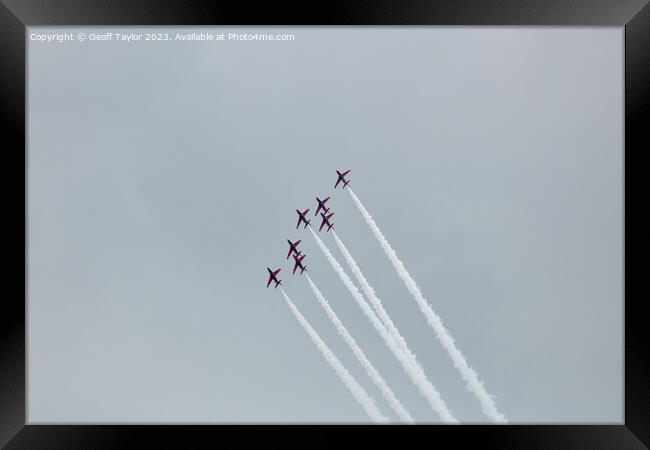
[366, 402]
[374, 300]
[416, 375]
[379, 381]
[474, 385]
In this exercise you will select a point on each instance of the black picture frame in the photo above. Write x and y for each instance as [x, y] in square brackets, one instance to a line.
[16, 15]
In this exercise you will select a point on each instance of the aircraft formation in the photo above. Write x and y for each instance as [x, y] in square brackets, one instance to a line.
[372, 307]
[303, 219]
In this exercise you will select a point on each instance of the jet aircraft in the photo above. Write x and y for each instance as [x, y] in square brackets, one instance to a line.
[293, 248]
[302, 218]
[273, 277]
[342, 179]
[321, 205]
[326, 221]
[298, 264]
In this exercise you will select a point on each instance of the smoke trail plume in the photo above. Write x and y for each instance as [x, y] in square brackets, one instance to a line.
[374, 300]
[474, 385]
[379, 381]
[416, 375]
[366, 402]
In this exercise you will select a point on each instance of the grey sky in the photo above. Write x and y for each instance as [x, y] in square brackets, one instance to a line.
[163, 179]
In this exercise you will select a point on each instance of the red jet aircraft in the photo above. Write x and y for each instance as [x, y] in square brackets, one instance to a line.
[293, 248]
[299, 264]
[302, 218]
[326, 221]
[273, 277]
[342, 178]
[321, 205]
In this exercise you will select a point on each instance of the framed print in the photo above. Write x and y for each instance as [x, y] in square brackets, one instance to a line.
[225, 219]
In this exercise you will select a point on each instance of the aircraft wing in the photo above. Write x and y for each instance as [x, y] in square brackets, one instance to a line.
[337, 182]
[269, 282]
[321, 225]
[345, 173]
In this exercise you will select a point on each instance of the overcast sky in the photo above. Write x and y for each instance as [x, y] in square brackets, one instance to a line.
[163, 179]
